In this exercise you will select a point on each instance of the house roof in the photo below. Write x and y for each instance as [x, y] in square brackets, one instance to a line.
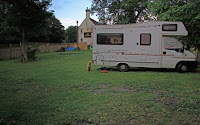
[94, 21]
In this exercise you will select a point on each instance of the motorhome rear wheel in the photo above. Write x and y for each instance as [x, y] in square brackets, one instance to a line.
[123, 67]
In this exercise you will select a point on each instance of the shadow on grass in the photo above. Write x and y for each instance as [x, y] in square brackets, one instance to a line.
[69, 53]
[146, 70]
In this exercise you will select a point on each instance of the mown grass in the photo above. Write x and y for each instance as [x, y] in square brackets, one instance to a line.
[56, 89]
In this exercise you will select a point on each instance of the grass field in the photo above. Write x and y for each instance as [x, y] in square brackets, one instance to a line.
[56, 89]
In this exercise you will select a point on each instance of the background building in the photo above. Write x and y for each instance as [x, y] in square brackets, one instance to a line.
[85, 30]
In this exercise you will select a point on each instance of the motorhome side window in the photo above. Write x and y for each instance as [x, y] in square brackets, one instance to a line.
[110, 38]
[145, 39]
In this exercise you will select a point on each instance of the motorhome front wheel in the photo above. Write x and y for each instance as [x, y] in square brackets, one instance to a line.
[182, 67]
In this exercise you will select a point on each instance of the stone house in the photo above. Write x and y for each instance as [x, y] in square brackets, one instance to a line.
[85, 30]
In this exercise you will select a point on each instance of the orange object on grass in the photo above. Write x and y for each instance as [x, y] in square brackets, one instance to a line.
[104, 71]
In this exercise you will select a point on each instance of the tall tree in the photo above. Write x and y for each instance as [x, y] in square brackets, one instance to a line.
[56, 30]
[53, 33]
[8, 33]
[71, 34]
[187, 11]
[118, 11]
[27, 17]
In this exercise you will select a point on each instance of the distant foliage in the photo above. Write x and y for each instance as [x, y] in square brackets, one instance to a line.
[30, 17]
[56, 30]
[131, 11]
[187, 11]
[71, 34]
[118, 11]
[53, 33]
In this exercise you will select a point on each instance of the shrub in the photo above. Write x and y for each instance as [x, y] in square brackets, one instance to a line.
[31, 52]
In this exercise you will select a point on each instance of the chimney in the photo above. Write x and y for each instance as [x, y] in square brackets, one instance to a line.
[87, 13]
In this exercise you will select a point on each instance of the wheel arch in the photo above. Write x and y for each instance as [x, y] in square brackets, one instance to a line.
[191, 64]
[122, 63]
[178, 64]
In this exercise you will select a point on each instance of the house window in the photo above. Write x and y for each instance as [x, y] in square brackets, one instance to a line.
[87, 35]
[81, 31]
[115, 40]
[145, 39]
[110, 38]
[169, 27]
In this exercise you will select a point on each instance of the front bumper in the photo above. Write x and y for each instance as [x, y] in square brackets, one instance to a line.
[193, 65]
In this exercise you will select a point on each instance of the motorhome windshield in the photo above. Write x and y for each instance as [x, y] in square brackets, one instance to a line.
[171, 43]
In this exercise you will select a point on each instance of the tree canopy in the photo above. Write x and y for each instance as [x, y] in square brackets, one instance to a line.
[28, 18]
[129, 11]
[118, 11]
[53, 33]
[71, 34]
[187, 11]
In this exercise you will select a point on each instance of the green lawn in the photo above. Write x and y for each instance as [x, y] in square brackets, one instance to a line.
[56, 89]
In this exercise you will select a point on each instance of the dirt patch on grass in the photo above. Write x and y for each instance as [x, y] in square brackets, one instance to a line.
[82, 122]
[103, 86]
[98, 90]
[110, 90]
[125, 89]
[169, 103]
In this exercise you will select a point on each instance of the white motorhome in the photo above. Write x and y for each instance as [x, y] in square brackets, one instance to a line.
[151, 45]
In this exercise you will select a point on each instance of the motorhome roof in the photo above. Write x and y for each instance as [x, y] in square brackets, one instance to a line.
[179, 27]
[143, 23]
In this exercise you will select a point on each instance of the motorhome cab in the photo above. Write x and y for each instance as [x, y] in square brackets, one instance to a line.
[150, 45]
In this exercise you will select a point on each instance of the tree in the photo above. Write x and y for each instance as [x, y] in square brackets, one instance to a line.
[187, 11]
[52, 30]
[71, 34]
[53, 33]
[118, 11]
[8, 33]
[56, 30]
[27, 17]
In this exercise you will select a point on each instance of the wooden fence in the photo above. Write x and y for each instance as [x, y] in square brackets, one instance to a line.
[14, 50]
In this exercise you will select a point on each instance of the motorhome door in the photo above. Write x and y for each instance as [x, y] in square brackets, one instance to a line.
[99, 60]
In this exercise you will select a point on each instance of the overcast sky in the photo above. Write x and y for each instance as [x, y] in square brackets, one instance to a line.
[70, 11]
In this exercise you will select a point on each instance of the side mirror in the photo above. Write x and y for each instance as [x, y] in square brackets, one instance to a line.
[182, 50]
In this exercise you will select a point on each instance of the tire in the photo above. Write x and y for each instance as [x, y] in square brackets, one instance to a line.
[182, 67]
[123, 67]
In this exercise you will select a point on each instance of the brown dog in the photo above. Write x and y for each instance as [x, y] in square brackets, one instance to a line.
[88, 66]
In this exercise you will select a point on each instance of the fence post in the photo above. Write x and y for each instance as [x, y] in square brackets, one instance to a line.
[48, 47]
[10, 50]
[57, 47]
[20, 48]
[198, 55]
